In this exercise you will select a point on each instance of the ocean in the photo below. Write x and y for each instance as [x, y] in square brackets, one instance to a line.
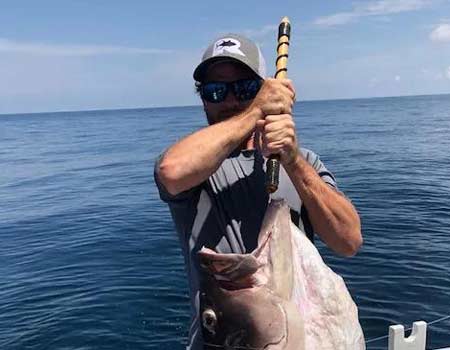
[89, 258]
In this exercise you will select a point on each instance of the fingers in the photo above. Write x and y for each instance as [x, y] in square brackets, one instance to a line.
[278, 122]
[275, 97]
[290, 86]
[287, 83]
[278, 136]
[277, 130]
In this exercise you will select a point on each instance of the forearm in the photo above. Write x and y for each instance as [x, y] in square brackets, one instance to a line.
[193, 159]
[332, 216]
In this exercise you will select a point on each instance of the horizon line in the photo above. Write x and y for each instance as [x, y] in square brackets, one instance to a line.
[199, 105]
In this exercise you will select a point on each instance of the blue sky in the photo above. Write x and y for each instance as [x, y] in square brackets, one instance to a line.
[77, 55]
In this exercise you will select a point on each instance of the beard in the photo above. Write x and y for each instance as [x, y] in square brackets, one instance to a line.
[253, 141]
[218, 117]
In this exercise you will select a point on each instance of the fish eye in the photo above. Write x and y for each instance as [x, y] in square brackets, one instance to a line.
[209, 320]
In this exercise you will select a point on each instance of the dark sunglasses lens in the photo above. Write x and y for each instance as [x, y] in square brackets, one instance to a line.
[214, 92]
[246, 89]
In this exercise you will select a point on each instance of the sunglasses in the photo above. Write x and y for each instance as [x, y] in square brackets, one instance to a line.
[244, 90]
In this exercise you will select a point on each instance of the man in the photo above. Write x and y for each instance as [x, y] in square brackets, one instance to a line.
[213, 179]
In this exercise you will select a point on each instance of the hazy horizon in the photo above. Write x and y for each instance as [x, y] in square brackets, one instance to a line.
[199, 105]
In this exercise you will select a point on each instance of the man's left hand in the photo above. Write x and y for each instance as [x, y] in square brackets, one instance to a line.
[278, 136]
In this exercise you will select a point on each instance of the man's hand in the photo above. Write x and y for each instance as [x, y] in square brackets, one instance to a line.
[276, 96]
[277, 128]
[277, 136]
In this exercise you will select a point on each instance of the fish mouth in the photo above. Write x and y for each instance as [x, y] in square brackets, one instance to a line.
[237, 271]
[234, 285]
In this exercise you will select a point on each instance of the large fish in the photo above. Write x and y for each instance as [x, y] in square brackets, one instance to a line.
[281, 296]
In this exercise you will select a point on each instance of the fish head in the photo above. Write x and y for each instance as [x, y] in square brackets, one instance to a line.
[245, 299]
[238, 310]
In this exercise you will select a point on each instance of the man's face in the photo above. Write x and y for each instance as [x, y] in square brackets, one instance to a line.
[226, 72]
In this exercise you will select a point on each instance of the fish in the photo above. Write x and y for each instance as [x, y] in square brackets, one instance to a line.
[227, 43]
[282, 295]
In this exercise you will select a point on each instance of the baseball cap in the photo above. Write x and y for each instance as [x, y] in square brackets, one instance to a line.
[232, 47]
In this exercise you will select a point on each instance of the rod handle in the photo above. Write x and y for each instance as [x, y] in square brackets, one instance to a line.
[273, 162]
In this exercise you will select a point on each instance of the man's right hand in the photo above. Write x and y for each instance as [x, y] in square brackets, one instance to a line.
[276, 96]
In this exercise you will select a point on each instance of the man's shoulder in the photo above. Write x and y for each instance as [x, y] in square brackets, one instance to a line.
[308, 153]
[312, 158]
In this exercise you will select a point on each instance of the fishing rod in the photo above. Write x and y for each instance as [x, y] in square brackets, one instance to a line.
[273, 163]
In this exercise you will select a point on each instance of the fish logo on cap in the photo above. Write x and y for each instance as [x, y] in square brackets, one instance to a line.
[227, 44]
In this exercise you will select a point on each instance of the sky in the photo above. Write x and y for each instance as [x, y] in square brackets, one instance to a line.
[81, 55]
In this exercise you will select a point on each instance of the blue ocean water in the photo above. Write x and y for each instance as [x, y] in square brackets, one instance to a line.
[89, 258]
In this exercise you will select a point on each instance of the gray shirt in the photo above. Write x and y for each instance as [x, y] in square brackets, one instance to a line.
[225, 213]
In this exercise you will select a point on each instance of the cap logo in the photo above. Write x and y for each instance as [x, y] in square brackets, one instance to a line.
[229, 45]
